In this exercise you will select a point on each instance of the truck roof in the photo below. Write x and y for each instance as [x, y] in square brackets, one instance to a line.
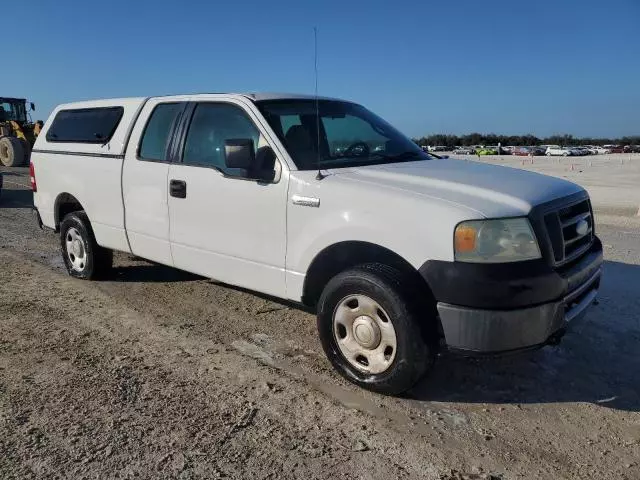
[255, 96]
[131, 106]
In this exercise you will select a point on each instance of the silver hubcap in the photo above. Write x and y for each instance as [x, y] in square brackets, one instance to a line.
[364, 334]
[76, 251]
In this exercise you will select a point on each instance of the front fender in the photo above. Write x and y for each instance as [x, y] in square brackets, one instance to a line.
[413, 238]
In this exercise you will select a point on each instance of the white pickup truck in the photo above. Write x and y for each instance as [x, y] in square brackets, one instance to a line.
[319, 201]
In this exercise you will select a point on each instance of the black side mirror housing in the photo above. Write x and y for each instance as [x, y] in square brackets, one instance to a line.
[265, 166]
[33, 106]
[239, 153]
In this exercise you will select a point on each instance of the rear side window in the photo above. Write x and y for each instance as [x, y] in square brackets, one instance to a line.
[85, 125]
[156, 136]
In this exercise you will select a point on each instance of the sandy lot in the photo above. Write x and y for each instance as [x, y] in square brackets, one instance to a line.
[155, 373]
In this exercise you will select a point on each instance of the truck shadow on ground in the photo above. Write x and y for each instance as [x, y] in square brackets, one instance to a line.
[145, 271]
[10, 198]
[597, 361]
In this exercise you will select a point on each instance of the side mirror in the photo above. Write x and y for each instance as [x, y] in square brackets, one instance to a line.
[239, 153]
[33, 106]
[265, 166]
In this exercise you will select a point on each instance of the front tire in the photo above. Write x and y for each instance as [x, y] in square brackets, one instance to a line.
[376, 330]
[82, 255]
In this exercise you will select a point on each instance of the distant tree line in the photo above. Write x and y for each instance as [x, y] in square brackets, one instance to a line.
[521, 140]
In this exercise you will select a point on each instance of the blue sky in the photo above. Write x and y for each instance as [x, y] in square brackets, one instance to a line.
[454, 66]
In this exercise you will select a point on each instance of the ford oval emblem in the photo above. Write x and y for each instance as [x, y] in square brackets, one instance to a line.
[582, 228]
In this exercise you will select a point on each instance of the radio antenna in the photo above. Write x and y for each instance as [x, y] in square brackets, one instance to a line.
[319, 176]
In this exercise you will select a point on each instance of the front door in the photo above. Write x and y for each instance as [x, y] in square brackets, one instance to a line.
[224, 226]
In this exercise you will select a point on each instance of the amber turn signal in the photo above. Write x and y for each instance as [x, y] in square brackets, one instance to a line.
[465, 239]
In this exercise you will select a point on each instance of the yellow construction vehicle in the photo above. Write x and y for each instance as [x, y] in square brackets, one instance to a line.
[17, 132]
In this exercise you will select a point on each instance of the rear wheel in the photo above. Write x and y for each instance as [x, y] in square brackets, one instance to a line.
[82, 256]
[375, 330]
[12, 152]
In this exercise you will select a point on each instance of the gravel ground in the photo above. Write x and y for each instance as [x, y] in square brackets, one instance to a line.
[155, 373]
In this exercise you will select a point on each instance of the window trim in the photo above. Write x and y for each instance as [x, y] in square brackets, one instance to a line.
[188, 113]
[173, 133]
[101, 141]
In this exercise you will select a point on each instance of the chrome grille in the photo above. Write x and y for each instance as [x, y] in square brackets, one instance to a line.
[570, 230]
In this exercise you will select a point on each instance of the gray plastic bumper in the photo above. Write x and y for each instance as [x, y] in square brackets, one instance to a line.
[498, 331]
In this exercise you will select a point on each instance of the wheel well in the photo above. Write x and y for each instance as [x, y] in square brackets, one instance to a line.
[344, 255]
[65, 204]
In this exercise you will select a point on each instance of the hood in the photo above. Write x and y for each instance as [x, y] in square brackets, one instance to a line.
[492, 191]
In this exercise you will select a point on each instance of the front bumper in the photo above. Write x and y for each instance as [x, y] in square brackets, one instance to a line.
[514, 307]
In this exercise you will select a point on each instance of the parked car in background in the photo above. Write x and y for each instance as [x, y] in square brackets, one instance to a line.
[493, 150]
[437, 148]
[504, 150]
[593, 150]
[616, 149]
[558, 151]
[580, 151]
[464, 151]
[529, 151]
[522, 151]
[631, 149]
[537, 151]
[597, 149]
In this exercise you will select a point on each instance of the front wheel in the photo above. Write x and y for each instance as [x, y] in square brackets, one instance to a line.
[548, 154]
[82, 255]
[374, 330]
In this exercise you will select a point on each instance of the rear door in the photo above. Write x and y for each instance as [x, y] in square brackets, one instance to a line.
[224, 226]
[144, 181]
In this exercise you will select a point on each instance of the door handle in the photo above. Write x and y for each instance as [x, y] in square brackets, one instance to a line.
[178, 188]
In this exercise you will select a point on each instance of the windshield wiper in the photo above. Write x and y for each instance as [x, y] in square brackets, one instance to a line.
[399, 157]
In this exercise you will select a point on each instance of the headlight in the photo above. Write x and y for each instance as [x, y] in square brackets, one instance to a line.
[495, 241]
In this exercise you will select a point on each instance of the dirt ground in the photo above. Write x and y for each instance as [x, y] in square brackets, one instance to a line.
[155, 373]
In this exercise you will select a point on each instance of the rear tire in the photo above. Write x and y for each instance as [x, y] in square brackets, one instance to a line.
[12, 152]
[82, 256]
[376, 330]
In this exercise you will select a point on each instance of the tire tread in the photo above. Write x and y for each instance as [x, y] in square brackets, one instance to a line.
[421, 346]
[102, 258]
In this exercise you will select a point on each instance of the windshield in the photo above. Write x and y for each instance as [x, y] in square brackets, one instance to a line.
[348, 135]
[12, 110]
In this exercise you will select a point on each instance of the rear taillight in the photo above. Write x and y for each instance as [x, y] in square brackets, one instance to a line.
[32, 176]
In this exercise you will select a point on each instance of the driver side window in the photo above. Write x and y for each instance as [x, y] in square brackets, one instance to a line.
[211, 125]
